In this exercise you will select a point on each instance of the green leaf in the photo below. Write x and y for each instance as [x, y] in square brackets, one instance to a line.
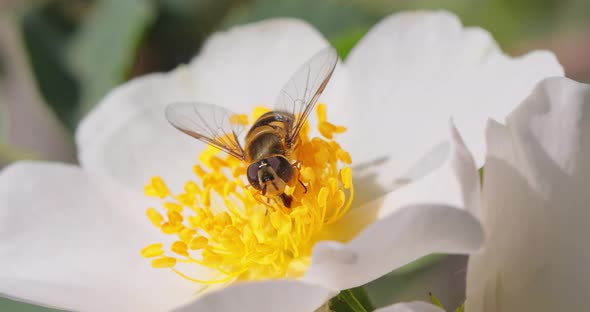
[346, 41]
[14, 306]
[412, 281]
[508, 21]
[45, 32]
[352, 300]
[179, 30]
[435, 301]
[105, 46]
[461, 308]
[4, 118]
[333, 18]
[481, 170]
[420, 263]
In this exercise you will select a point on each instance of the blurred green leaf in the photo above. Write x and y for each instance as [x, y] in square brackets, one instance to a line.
[346, 41]
[14, 306]
[45, 34]
[481, 171]
[435, 301]
[178, 32]
[508, 21]
[419, 264]
[332, 18]
[460, 309]
[29, 124]
[104, 48]
[442, 275]
[3, 114]
[352, 300]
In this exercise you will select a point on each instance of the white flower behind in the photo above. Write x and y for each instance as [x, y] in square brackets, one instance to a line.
[414, 71]
[75, 243]
[535, 206]
[411, 307]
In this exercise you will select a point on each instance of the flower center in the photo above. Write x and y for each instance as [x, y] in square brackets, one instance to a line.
[227, 226]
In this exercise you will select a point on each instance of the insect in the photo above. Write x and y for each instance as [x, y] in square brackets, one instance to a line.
[272, 137]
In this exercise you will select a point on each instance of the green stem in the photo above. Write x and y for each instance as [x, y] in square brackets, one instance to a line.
[348, 297]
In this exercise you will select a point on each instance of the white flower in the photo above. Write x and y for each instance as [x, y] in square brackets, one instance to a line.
[535, 206]
[69, 236]
[411, 307]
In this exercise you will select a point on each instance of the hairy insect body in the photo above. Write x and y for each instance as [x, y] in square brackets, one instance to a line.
[270, 141]
[267, 151]
[267, 136]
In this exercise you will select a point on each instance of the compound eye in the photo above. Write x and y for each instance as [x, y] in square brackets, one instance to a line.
[252, 174]
[281, 167]
[275, 163]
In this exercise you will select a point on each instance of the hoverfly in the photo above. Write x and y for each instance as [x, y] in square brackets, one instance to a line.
[272, 137]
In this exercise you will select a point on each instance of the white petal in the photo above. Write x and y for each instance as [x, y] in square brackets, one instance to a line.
[413, 71]
[71, 241]
[435, 214]
[248, 65]
[536, 206]
[274, 295]
[411, 307]
[127, 136]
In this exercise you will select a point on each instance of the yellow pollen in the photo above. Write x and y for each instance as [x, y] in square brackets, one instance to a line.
[152, 250]
[164, 262]
[198, 242]
[220, 222]
[155, 217]
[157, 188]
[180, 248]
[239, 119]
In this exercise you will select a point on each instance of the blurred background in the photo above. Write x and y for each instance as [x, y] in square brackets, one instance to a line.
[59, 57]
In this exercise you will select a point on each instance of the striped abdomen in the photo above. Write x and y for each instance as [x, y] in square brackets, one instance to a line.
[267, 136]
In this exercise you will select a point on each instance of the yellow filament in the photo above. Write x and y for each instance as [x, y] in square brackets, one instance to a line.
[222, 223]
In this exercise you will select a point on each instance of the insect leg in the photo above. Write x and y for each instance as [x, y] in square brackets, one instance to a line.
[304, 187]
[286, 200]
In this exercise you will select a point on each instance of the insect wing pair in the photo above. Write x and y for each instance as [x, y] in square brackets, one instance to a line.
[213, 124]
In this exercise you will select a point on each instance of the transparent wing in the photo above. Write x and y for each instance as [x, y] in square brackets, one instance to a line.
[211, 124]
[301, 92]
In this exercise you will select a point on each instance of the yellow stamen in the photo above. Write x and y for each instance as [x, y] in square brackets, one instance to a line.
[164, 262]
[155, 217]
[198, 242]
[157, 188]
[224, 224]
[239, 119]
[152, 250]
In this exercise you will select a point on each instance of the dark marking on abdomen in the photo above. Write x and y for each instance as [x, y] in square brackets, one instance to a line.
[272, 119]
[267, 136]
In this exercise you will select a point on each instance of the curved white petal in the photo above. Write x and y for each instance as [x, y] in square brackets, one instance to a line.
[416, 306]
[414, 70]
[70, 241]
[127, 136]
[436, 214]
[267, 296]
[535, 208]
